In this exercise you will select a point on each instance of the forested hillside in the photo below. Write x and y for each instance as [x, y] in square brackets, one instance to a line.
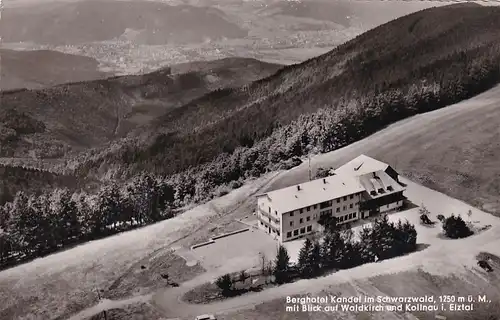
[31, 181]
[78, 116]
[207, 147]
[413, 64]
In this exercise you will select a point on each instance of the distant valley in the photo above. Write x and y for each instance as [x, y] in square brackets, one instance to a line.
[127, 37]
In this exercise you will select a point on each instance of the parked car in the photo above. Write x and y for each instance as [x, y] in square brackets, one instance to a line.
[206, 317]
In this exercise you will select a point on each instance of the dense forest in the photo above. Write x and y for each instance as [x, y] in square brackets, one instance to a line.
[82, 115]
[211, 145]
[411, 65]
[30, 180]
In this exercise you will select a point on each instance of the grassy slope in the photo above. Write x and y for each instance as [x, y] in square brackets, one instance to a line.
[455, 150]
[407, 51]
[86, 114]
[69, 282]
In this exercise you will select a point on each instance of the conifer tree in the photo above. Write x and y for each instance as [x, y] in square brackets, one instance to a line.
[69, 226]
[315, 259]
[331, 249]
[303, 261]
[282, 265]
[455, 227]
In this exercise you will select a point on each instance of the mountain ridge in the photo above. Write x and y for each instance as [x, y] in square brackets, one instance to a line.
[102, 20]
[86, 114]
[427, 51]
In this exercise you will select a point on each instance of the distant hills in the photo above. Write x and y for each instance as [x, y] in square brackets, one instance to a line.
[413, 64]
[193, 115]
[81, 115]
[345, 14]
[337, 12]
[147, 22]
[36, 69]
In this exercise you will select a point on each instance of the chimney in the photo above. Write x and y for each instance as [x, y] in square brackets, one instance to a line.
[298, 188]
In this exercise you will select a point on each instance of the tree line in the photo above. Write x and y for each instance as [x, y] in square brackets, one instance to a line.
[35, 225]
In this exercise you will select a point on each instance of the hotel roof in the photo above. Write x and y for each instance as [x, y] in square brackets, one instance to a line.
[361, 165]
[379, 184]
[313, 192]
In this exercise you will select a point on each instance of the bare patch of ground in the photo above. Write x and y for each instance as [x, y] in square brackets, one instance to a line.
[151, 275]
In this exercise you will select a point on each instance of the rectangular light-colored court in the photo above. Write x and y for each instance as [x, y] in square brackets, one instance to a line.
[237, 252]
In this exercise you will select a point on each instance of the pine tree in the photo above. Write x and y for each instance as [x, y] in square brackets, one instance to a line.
[408, 237]
[85, 216]
[281, 265]
[303, 261]
[383, 233]
[46, 220]
[18, 221]
[331, 249]
[108, 209]
[367, 245]
[314, 259]
[96, 223]
[455, 227]
[348, 256]
[68, 222]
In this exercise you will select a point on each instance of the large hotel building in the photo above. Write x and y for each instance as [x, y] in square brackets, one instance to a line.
[360, 188]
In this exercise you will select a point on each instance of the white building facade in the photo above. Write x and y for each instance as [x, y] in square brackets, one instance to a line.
[349, 195]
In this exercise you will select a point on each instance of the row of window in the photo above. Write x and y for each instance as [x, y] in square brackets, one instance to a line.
[322, 205]
[302, 210]
[296, 231]
[301, 221]
[345, 207]
[329, 211]
[347, 217]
